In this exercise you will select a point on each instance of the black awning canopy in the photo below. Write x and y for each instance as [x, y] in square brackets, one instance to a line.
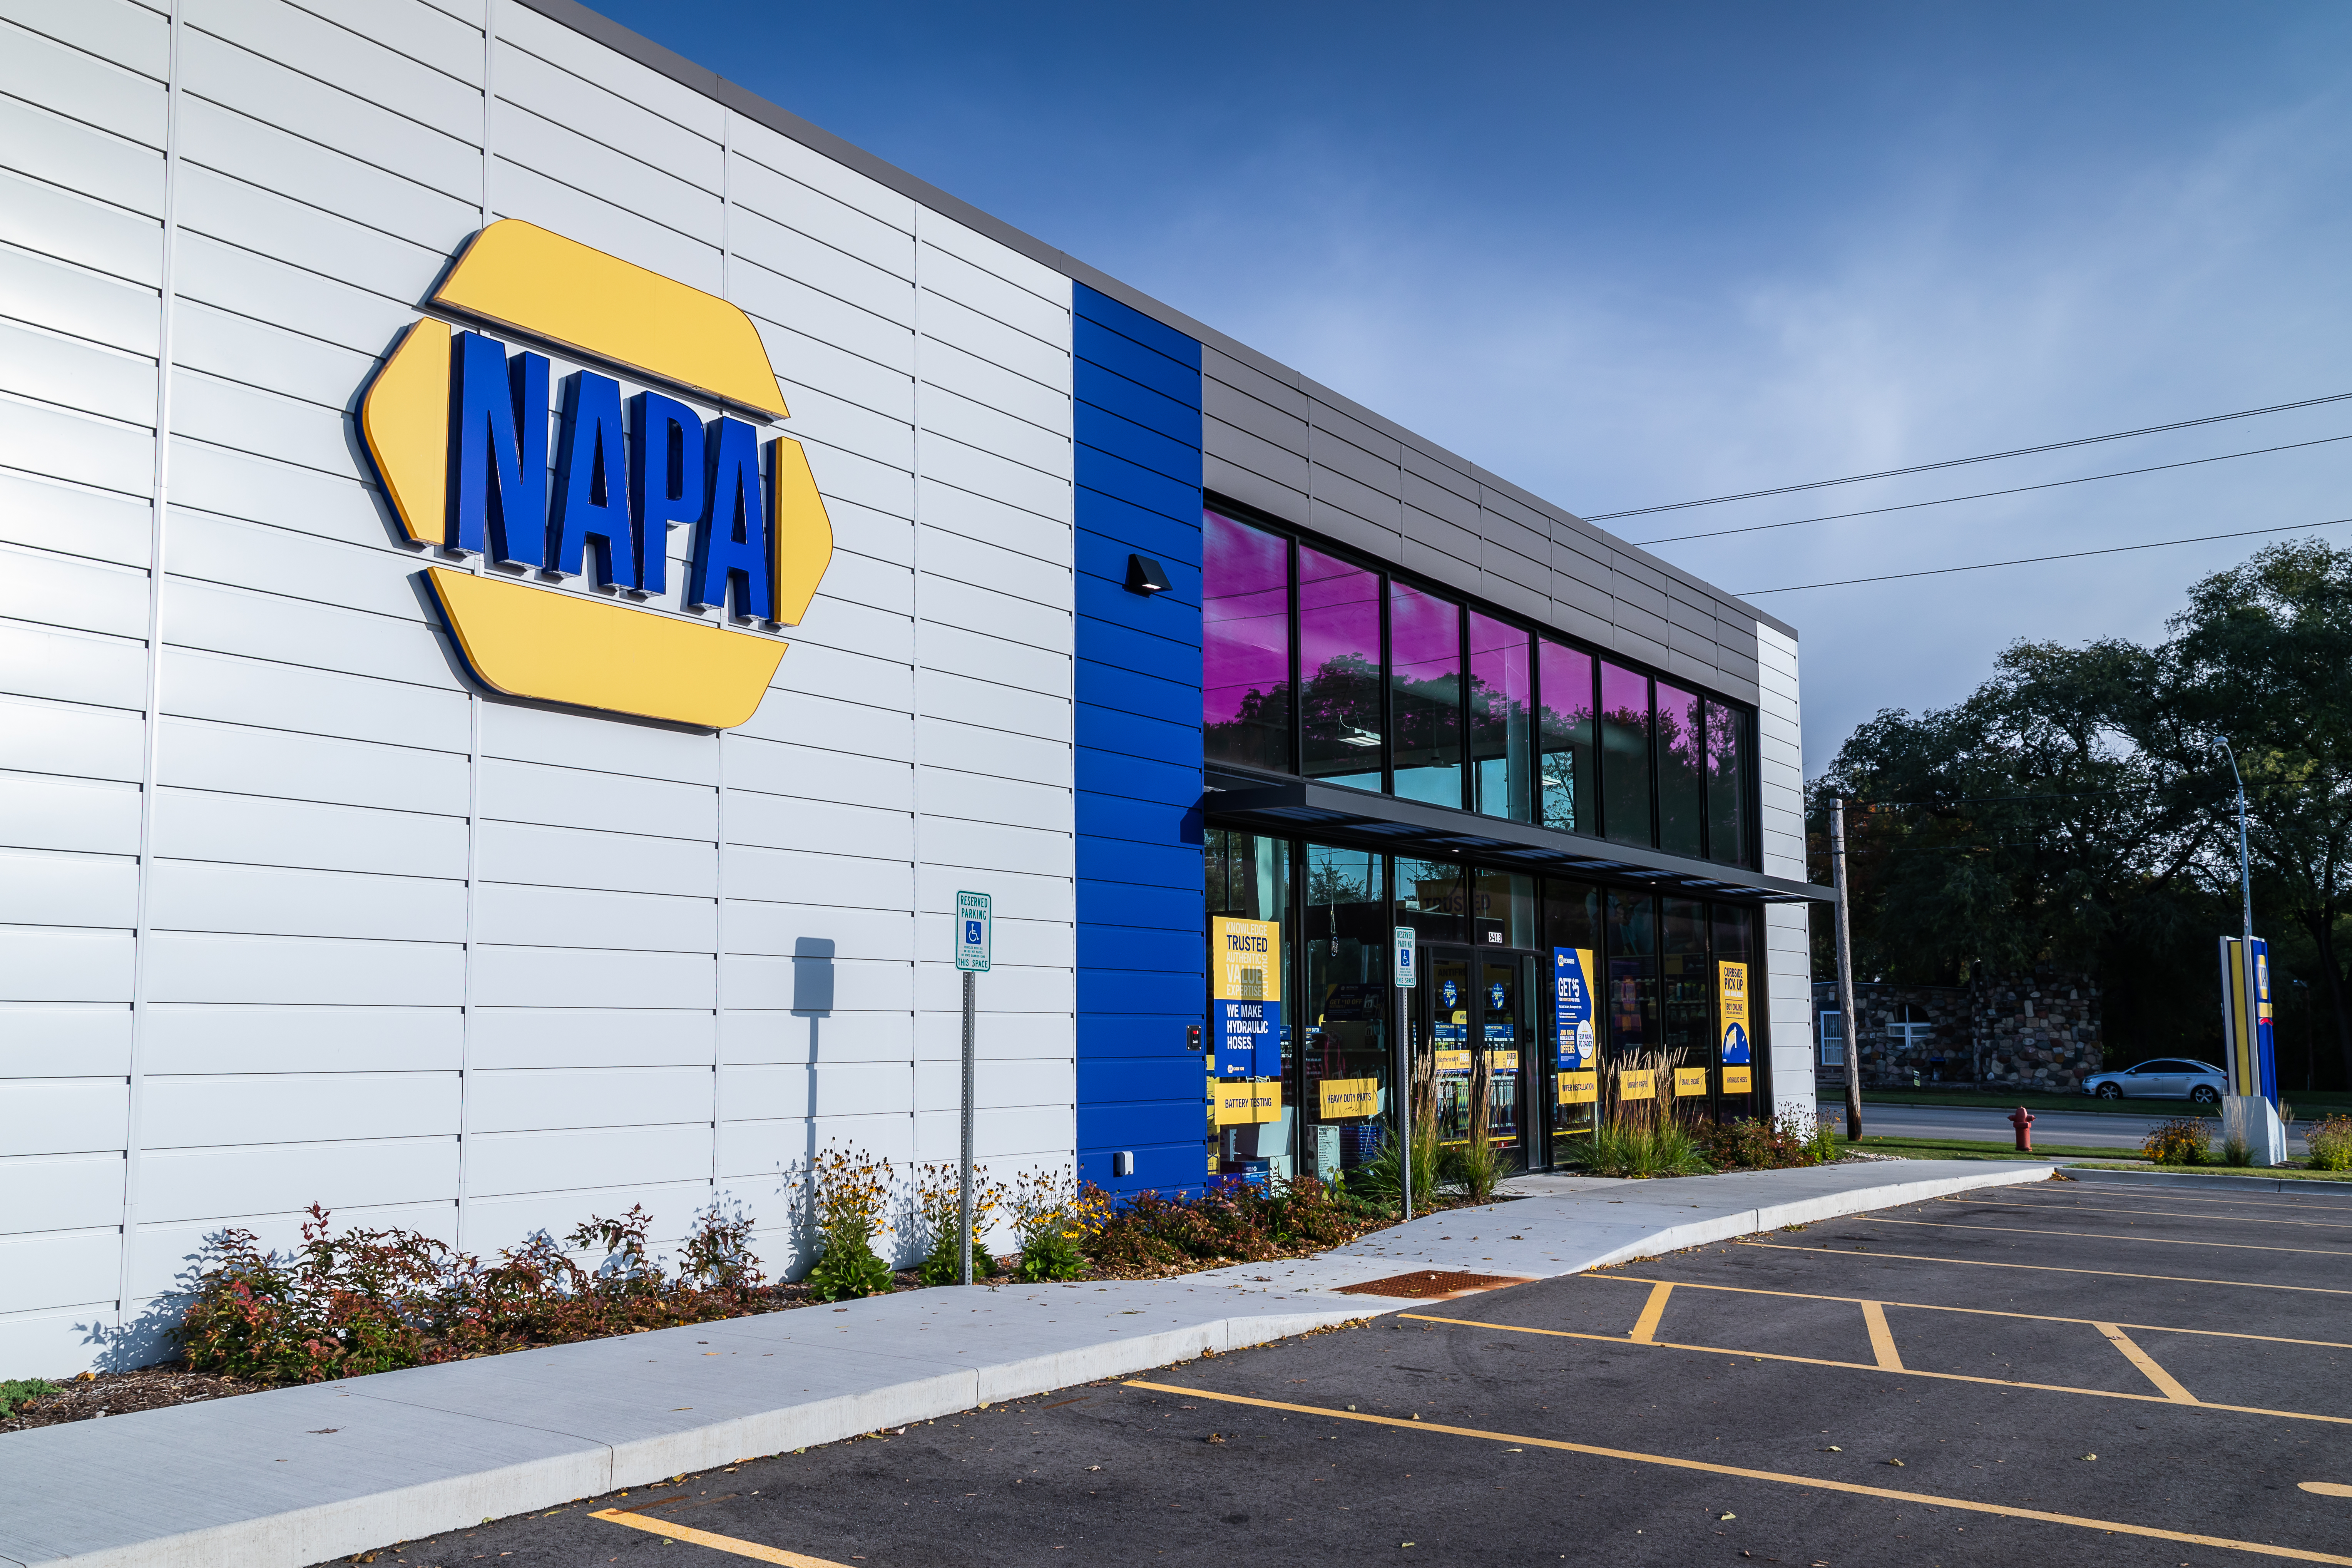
[1304, 807]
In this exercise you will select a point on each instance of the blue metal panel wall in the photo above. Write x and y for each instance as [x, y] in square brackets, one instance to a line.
[1142, 949]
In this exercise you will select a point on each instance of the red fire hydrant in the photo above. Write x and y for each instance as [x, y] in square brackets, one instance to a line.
[2023, 1119]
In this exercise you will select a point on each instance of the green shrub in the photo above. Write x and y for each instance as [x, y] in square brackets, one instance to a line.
[1657, 1145]
[346, 1304]
[1381, 1175]
[1748, 1144]
[1475, 1168]
[1231, 1222]
[18, 1392]
[2330, 1143]
[2178, 1141]
[1050, 1255]
[847, 1191]
[943, 1265]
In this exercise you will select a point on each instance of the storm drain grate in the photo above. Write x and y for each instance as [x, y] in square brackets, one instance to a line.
[1431, 1283]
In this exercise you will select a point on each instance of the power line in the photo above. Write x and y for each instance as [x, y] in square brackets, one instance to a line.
[1983, 495]
[2034, 560]
[1963, 462]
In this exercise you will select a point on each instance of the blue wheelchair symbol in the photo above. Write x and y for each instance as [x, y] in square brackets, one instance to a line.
[972, 933]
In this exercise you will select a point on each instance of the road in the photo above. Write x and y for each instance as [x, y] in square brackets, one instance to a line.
[2085, 1128]
[1969, 1382]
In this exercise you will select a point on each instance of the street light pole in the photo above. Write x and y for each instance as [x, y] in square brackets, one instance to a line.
[2245, 874]
[1845, 973]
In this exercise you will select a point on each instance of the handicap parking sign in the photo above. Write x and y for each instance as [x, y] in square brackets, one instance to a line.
[972, 915]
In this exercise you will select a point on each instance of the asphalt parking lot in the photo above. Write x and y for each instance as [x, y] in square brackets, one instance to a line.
[2062, 1374]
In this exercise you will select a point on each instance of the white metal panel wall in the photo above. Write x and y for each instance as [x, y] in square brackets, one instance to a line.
[288, 913]
[1781, 773]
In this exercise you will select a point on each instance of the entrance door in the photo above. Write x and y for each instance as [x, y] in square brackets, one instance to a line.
[1475, 1012]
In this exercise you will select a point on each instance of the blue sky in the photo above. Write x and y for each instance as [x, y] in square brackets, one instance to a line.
[1640, 254]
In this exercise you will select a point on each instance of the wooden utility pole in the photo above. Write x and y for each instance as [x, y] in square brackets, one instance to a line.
[1845, 973]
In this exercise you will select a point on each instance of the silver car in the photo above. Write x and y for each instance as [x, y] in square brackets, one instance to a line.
[2172, 1078]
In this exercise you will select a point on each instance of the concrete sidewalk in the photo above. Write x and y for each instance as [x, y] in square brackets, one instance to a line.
[297, 1476]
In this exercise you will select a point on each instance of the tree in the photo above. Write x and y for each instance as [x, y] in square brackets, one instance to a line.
[2263, 659]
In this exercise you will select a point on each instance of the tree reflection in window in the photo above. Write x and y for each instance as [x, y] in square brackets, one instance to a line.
[1339, 656]
[1681, 771]
[1565, 738]
[1244, 645]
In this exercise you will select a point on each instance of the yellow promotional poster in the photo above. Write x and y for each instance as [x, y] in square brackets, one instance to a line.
[1580, 1088]
[1245, 989]
[1731, 1007]
[1239, 1103]
[1637, 1083]
[1453, 1061]
[1689, 1081]
[1345, 1096]
[1503, 1061]
[1735, 1080]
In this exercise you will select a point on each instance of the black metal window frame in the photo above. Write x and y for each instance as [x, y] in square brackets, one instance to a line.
[1295, 537]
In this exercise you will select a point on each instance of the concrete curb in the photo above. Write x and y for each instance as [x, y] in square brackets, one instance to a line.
[2213, 1181]
[514, 1415]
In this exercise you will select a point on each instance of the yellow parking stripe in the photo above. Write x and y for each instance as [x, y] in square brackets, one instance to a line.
[1898, 1370]
[1645, 1327]
[2102, 1235]
[2153, 1214]
[2048, 1269]
[751, 1548]
[1975, 1312]
[1882, 1337]
[2147, 1364]
[1966, 1505]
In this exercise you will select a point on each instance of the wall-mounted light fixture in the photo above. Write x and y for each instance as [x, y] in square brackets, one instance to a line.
[1144, 576]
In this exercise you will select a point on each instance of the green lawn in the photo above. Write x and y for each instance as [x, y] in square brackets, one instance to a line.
[1973, 1149]
[2306, 1106]
[2289, 1172]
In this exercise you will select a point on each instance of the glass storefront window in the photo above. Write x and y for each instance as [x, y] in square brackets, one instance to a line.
[1430, 899]
[1502, 698]
[1728, 772]
[1340, 660]
[1565, 737]
[1686, 987]
[1682, 772]
[1244, 645]
[1425, 684]
[1626, 753]
[1632, 996]
[1345, 1060]
[1504, 912]
[1248, 878]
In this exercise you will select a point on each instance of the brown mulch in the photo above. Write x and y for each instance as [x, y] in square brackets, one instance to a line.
[97, 1393]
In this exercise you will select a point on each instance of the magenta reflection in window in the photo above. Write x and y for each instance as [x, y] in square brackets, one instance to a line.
[1339, 671]
[1727, 770]
[1624, 754]
[1502, 699]
[1564, 738]
[1681, 771]
[1244, 645]
[1425, 662]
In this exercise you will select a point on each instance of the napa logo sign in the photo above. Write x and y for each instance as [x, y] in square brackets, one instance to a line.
[457, 423]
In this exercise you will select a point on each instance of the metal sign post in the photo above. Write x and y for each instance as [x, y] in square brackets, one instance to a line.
[1845, 975]
[1407, 978]
[973, 950]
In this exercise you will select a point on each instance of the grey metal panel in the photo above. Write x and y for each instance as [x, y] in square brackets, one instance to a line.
[1633, 644]
[1499, 559]
[1221, 443]
[67, 300]
[1737, 689]
[364, 62]
[1587, 599]
[70, 82]
[1334, 489]
[1381, 543]
[1457, 574]
[424, 32]
[1527, 544]
[1422, 461]
[1687, 668]
[1332, 413]
[1261, 420]
[1280, 500]
[1337, 454]
[1690, 617]
[132, 37]
[1435, 534]
[47, 221]
[1651, 601]
[1437, 500]
[1277, 392]
[1633, 617]
[1515, 596]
